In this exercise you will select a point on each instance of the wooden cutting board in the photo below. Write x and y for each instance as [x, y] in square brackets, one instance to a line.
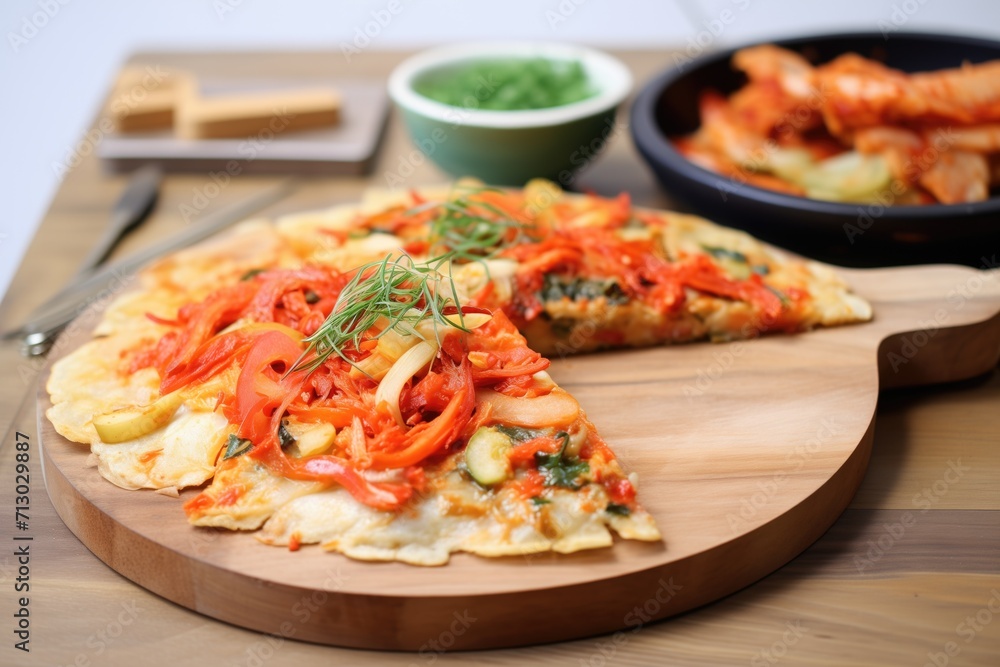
[747, 452]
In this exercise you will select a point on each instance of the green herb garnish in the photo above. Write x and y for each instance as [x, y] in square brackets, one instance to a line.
[538, 501]
[251, 274]
[615, 508]
[399, 289]
[462, 234]
[404, 291]
[559, 469]
[236, 446]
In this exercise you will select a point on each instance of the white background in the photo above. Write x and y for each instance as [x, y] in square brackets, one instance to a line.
[57, 57]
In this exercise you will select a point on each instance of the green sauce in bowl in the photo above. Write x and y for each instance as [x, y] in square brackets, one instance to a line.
[510, 84]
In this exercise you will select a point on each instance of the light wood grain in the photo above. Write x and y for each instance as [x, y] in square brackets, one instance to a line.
[892, 616]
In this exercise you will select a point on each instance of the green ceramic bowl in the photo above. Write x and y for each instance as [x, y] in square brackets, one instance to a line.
[511, 147]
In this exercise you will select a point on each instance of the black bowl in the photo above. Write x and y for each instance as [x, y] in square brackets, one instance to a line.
[848, 234]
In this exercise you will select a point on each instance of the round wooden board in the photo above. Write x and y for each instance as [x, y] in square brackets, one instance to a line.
[747, 452]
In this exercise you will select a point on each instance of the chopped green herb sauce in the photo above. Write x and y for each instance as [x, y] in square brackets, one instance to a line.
[581, 289]
[559, 469]
[615, 508]
[511, 84]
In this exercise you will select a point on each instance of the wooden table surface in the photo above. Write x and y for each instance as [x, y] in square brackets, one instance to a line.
[909, 575]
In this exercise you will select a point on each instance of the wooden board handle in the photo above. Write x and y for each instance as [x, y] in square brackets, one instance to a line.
[940, 323]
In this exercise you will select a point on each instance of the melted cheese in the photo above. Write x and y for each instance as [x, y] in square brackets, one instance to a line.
[457, 516]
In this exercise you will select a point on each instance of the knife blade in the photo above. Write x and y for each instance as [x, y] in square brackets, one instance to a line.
[42, 327]
[134, 206]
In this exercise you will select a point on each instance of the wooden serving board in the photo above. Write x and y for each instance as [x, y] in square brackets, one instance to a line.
[747, 452]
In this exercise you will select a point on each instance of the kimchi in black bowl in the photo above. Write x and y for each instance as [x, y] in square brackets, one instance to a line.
[883, 230]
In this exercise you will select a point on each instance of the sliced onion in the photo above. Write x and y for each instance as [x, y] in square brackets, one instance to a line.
[557, 408]
[374, 366]
[134, 422]
[416, 358]
[430, 329]
[408, 365]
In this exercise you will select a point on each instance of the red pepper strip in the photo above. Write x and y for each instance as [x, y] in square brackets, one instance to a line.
[257, 388]
[550, 259]
[275, 285]
[504, 351]
[702, 274]
[524, 454]
[427, 438]
[208, 360]
[217, 353]
[332, 469]
[203, 320]
[257, 393]
[514, 364]
[338, 417]
[327, 469]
